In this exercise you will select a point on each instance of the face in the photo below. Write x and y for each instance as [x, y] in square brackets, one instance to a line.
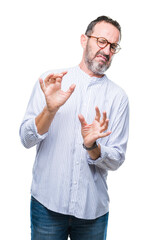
[98, 60]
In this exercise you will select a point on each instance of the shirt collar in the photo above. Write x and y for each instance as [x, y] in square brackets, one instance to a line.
[89, 79]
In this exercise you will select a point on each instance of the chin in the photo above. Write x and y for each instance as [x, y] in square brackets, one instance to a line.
[99, 69]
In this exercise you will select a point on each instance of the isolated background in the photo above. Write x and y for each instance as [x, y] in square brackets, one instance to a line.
[40, 35]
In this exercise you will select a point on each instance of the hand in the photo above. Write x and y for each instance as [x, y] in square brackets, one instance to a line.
[91, 132]
[55, 97]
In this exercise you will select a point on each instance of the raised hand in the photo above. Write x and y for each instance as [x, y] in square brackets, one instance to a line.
[91, 132]
[51, 88]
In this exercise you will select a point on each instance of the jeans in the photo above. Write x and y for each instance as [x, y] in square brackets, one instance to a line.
[49, 225]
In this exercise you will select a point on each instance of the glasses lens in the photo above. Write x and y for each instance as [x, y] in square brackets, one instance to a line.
[115, 48]
[102, 42]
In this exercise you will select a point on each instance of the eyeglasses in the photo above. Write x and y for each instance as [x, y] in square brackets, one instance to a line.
[102, 43]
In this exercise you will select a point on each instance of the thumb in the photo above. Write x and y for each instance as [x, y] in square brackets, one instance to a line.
[70, 90]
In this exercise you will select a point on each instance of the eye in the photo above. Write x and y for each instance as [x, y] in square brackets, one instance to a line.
[114, 46]
[102, 41]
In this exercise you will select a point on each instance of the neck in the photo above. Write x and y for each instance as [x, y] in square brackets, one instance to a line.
[84, 68]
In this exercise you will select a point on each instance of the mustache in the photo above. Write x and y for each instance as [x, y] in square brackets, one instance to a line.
[104, 55]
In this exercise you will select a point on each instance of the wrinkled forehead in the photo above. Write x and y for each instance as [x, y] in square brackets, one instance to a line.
[106, 30]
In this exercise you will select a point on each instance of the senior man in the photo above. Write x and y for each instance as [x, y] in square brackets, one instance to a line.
[78, 120]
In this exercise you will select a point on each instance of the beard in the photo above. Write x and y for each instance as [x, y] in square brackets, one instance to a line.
[96, 67]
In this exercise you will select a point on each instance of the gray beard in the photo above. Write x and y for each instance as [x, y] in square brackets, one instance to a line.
[95, 67]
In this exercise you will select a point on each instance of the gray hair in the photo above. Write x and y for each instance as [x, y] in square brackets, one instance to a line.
[92, 24]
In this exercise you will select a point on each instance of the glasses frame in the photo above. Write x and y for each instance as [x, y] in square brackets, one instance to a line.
[117, 50]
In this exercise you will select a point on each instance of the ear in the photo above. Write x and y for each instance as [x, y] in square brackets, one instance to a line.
[83, 40]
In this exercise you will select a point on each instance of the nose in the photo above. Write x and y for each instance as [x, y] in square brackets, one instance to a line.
[106, 50]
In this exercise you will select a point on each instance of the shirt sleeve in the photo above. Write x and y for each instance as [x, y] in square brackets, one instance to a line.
[113, 151]
[28, 131]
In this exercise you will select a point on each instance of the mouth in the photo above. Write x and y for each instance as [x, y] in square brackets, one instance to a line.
[100, 57]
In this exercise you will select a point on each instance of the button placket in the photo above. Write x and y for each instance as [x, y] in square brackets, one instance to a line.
[78, 154]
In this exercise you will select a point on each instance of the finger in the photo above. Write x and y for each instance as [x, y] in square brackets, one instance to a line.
[51, 78]
[104, 116]
[70, 90]
[103, 119]
[105, 126]
[82, 120]
[97, 117]
[42, 85]
[64, 73]
[47, 79]
[57, 77]
[105, 134]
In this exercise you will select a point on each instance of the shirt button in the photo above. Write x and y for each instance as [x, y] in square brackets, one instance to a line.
[75, 183]
[77, 163]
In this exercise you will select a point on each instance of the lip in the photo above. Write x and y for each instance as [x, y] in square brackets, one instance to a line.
[102, 57]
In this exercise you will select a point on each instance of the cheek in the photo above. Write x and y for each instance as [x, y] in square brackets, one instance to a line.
[92, 50]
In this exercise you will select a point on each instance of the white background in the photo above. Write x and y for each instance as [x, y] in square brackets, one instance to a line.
[37, 36]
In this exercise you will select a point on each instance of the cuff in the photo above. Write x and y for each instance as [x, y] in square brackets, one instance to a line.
[102, 157]
[34, 129]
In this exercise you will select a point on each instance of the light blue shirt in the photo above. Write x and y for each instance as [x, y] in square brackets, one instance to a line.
[65, 178]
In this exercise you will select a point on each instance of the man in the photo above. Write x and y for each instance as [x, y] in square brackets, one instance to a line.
[76, 142]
